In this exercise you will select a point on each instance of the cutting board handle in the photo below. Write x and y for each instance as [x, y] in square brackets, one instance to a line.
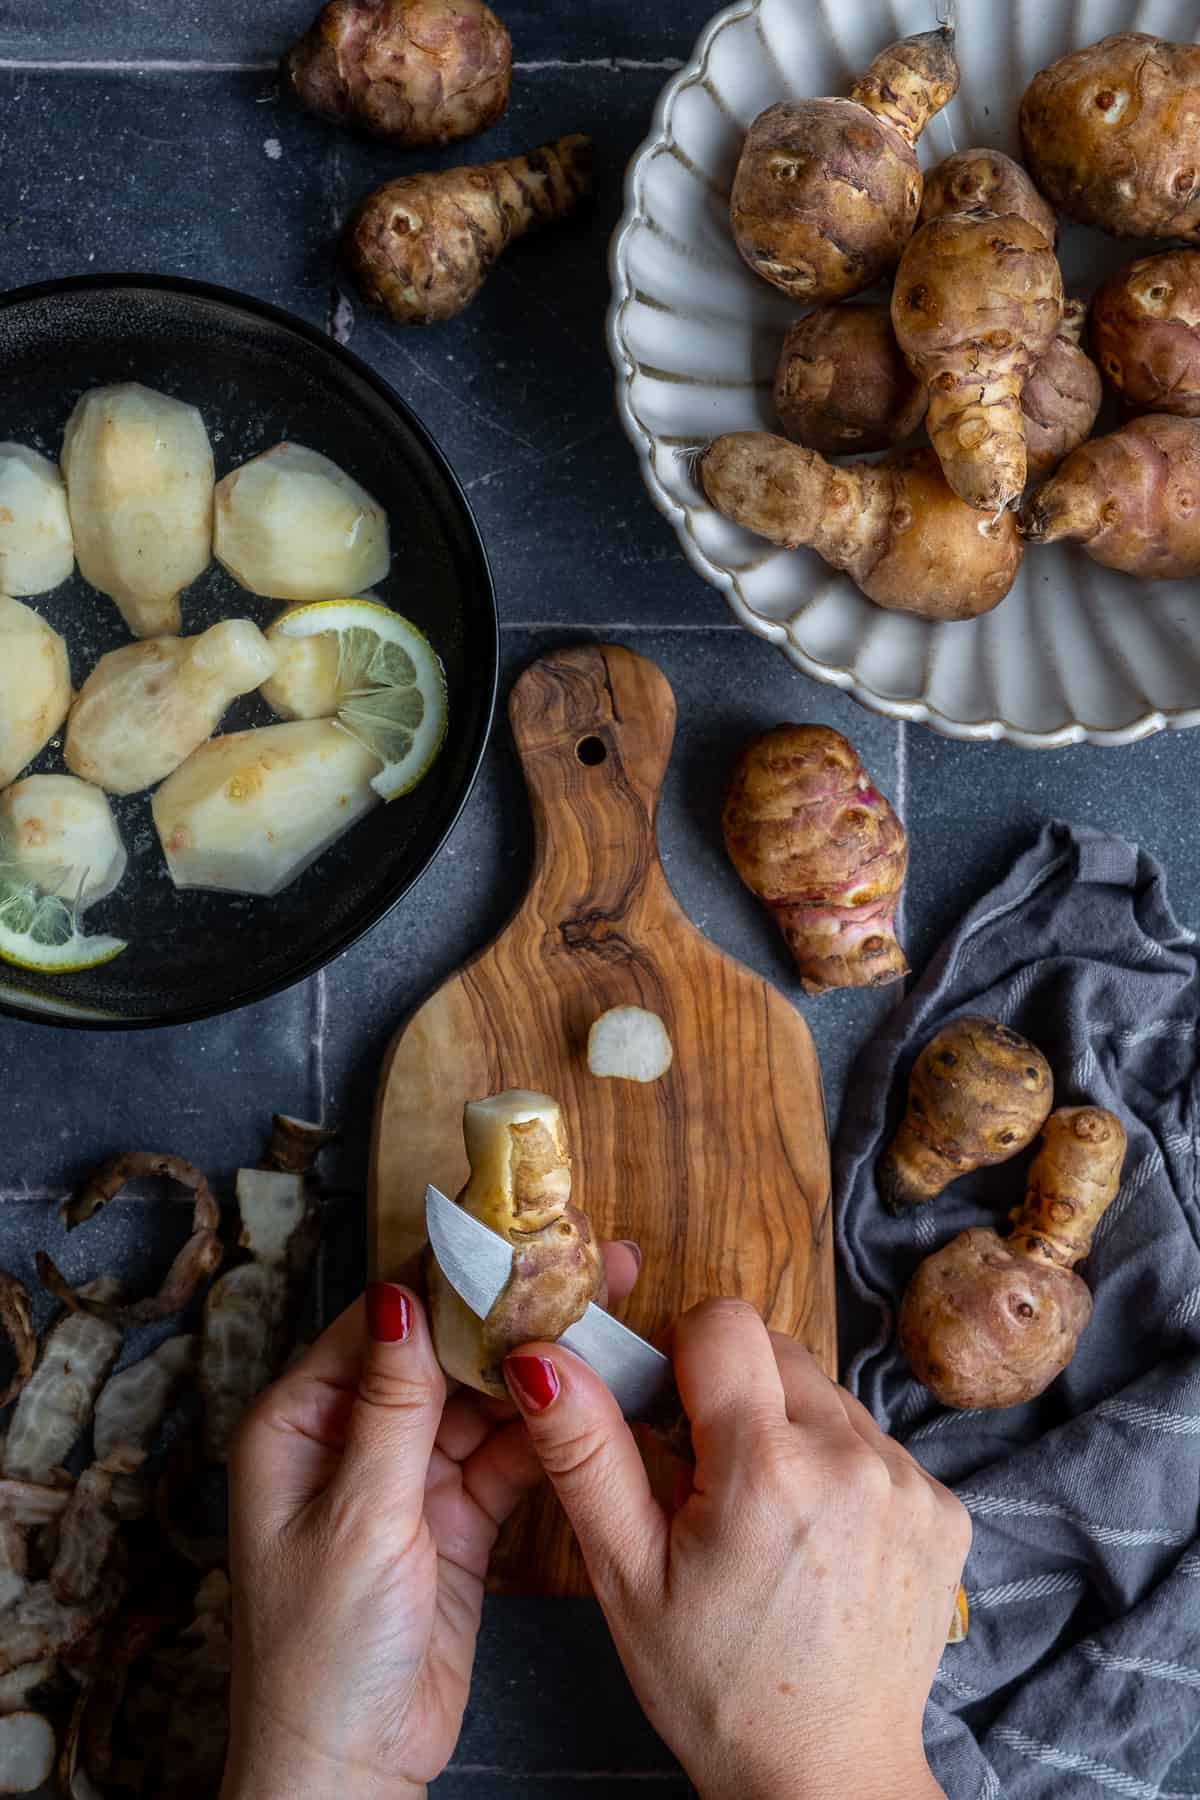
[593, 726]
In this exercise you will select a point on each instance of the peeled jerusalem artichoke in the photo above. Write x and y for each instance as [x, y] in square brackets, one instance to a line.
[977, 1095]
[1062, 397]
[147, 706]
[827, 191]
[423, 246]
[894, 526]
[35, 686]
[139, 473]
[989, 1322]
[1146, 333]
[292, 525]
[818, 844]
[985, 181]
[1132, 499]
[977, 301]
[36, 548]
[842, 385]
[61, 834]
[520, 1187]
[414, 71]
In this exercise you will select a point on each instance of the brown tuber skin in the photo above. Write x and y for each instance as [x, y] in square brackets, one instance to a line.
[415, 71]
[985, 181]
[976, 304]
[827, 191]
[1062, 397]
[989, 1322]
[422, 247]
[977, 1095]
[843, 386]
[822, 849]
[893, 526]
[1146, 333]
[1132, 499]
[1109, 134]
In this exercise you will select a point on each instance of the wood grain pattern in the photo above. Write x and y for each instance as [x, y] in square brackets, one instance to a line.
[720, 1171]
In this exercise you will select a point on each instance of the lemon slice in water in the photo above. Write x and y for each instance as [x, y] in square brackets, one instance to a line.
[40, 930]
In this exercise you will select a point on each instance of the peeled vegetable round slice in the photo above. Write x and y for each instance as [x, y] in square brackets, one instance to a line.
[36, 548]
[60, 832]
[293, 526]
[35, 686]
[375, 671]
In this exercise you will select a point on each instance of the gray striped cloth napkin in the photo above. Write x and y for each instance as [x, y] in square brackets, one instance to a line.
[1081, 1674]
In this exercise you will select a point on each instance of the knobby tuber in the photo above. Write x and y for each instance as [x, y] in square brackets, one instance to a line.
[977, 1095]
[1109, 134]
[894, 526]
[520, 1187]
[423, 246]
[35, 685]
[1062, 397]
[977, 301]
[827, 191]
[1146, 333]
[990, 1321]
[818, 844]
[842, 384]
[985, 181]
[415, 71]
[1132, 499]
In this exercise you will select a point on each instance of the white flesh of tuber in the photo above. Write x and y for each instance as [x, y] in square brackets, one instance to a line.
[250, 811]
[293, 526]
[139, 473]
[27, 1751]
[14, 1562]
[35, 686]
[36, 548]
[629, 1043]
[57, 1403]
[60, 832]
[305, 682]
[146, 707]
[238, 1347]
[273, 1206]
[134, 1402]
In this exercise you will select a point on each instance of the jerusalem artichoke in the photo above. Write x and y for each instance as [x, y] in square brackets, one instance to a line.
[827, 191]
[820, 846]
[1146, 333]
[60, 833]
[985, 181]
[1062, 397]
[1132, 499]
[894, 526]
[842, 384]
[423, 246]
[35, 686]
[989, 1322]
[1109, 134]
[977, 1095]
[414, 71]
[520, 1187]
[976, 304]
[292, 525]
[36, 548]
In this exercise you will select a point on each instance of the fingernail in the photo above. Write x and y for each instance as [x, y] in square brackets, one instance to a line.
[635, 1250]
[389, 1315]
[533, 1380]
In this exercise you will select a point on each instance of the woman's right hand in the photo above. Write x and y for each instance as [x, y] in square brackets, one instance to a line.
[782, 1628]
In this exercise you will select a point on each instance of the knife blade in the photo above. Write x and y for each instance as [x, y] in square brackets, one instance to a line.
[477, 1263]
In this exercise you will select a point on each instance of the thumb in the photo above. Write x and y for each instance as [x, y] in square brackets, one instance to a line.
[589, 1453]
[397, 1410]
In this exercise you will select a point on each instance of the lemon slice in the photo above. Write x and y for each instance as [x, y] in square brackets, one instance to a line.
[40, 931]
[387, 687]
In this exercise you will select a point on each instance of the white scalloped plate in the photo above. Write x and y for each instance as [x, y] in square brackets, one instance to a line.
[1075, 653]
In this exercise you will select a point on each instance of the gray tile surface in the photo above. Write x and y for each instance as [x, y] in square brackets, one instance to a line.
[199, 170]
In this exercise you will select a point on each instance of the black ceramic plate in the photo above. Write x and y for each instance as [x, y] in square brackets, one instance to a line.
[258, 376]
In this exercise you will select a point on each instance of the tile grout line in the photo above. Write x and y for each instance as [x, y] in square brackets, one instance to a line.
[320, 1018]
[613, 65]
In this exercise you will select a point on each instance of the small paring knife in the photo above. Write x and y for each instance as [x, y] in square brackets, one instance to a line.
[478, 1263]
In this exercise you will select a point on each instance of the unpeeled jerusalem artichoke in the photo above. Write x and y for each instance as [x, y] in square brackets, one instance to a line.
[894, 526]
[423, 246]
[989, 1322]
[977, 1095]
[1146, 333]
[820, 846]
[842, 385]
[414, 71]
[827, 191]
[1062, 397]
[977, 301]
[1132, 499]
[985, 181]
[520, 1187]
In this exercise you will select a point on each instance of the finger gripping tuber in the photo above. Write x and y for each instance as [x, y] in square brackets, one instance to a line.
[823, 850]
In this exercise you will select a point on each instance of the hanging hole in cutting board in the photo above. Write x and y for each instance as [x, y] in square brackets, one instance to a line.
[591, 751]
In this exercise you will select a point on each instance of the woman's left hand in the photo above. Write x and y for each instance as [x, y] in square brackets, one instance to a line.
[364, 1507]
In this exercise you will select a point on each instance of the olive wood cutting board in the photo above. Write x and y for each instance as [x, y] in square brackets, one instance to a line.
[720, 1170]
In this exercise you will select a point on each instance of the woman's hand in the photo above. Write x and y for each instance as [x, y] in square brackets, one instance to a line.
[364, 1507]
[783, 1627]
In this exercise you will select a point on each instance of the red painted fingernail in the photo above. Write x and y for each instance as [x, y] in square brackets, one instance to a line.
[389, 1314]
[533, 1380]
